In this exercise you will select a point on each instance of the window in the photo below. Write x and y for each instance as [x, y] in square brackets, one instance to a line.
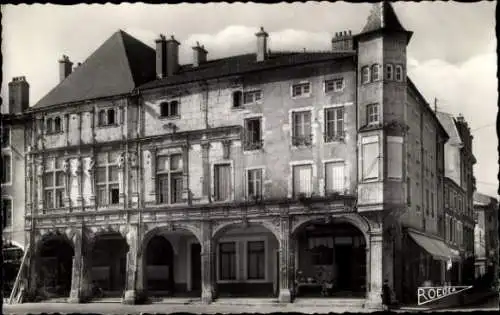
[322, 250]
[252, 97]
[169, 176]
[334, 177]
[6, 212]
[54, 183]
[427, 201]
[301, 128]
[375, 72]
[107, 117]
[57, 124]
[253, 134]
[365, 75]
[237, 99]
[334, 85]
[408, 191]
[394, 157]
[222, 182]
[432, 204]
[254, 184]
[107, 178]
[256, 255]
[389, 71]
[169, 109]
[6, 168]
[302, 180]
[301, 89]
[49, 126]
[5, 137]
[370, 157]
[399, 73]
[334, 123]
[372, 114]
[227, 262]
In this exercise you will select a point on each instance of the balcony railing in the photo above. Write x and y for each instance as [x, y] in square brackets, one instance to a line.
[302, 140]
[253, 145]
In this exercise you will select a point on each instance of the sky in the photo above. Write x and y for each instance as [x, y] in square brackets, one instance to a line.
[451, 56]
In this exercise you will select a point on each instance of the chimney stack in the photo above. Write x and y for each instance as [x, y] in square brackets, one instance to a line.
[261, 44]
[199, 55]
[161, 57]
[19, 95]
[65, 67]
[172, 56]
[342, 41]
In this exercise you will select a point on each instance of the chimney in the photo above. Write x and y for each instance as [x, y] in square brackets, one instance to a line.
[342, 41]
[161, 56]
[172, 56]
[199, 55]
[19, 95]
[261, 44]
[65, 67]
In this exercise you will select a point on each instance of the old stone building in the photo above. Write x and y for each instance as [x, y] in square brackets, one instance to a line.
[486, 236]
[266, 174]
[459, 187]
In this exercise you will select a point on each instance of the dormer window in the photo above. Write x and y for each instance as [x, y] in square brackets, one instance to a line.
[365, 75]
[375, 72]
[169, 109]
[389, 71]
[399, 73]
[107, 117]
[57, 124]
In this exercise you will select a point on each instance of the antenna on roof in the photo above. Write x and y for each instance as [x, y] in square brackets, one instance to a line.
[435, 105]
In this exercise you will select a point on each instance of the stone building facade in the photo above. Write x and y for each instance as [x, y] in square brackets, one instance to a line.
[272, 173]
[486, 235]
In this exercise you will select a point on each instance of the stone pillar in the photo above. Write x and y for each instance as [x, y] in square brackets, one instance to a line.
[76, 273]
[77, 174]
[67, 182]
[152, 192]
[207, 263]
[132, 259]
[39, 172]
[29, 275]
[134, 177]
[91, 175]
[185, 174]
[376, 272]
[121, 177]
[205, 148]
[286, 262]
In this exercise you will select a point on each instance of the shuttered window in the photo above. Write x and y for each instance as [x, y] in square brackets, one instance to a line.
[301, 128]
[254, 184]
[222, 182]
[371, 158]
[302, 180]
[395, 157]
[335, 177]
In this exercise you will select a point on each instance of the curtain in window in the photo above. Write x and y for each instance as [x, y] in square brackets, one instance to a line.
[222, 183]
[335, 177]
[302, 179]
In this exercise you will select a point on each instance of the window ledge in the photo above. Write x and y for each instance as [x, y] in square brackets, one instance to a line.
[301, 96]
[252, 103]
[7, 183]
[54, 133]
[255, 151]
[176, 117]
[108, 126]
[335, 140]
[334, 92]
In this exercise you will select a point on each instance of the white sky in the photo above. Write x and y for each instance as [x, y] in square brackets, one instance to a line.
[452, 54]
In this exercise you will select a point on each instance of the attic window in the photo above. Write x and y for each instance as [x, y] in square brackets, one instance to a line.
[57, 124]
[106, 117]
[169, 109]
[237, 96]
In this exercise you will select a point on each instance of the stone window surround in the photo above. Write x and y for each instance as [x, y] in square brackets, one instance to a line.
[313, 119]
[118, 112]
[346, 172]
[168, 101]
[9, 154]
[241, 262]
[314, 174]
[262, 130]
[302, 95]
[212, 181]
[167, 172]
[323, 121]
[258, 167]
[52, 131]
[334, 89]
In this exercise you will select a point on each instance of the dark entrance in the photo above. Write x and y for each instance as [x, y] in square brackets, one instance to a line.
[195, 267]
[160, 266]
[109, 264]
[55, 268]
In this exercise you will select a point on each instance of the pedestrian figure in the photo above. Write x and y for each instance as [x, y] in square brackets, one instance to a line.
[386, 294]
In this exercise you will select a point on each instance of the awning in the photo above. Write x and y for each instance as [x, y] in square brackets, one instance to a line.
[436, 248]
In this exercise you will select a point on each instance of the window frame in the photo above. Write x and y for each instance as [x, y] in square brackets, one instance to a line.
[263, 252]
[214, 182]
[103, 117]
[302, 86]
[170, 174]
[389, 72]
[235, 253]
[337, 134]
[304, 139]
[325, 175]
[253, 93]
[365, 75]
[370, 114]
[400, 68]
[296, 194]
[334, 88]
[248, 184]
[6, 130]
[168, 105]
[365, 141]
[253, 145]
[54, 189]
[7, 227]
[375, 74]
[8, 181]
[108, 184]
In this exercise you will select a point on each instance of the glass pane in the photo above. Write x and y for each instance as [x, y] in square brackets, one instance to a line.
[101, 174]
[49, 199]
[302, 179]
[101, 195]
[334, 177]
[114, 194]
[113, 173]
[176, 195]
[60, 179]
[175, 162]
[162, 163]
[163, 189]
[59, 198]
[48, 180]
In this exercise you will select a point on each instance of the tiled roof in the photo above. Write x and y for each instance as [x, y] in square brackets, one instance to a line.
[449, 124]
[482, 199]
[241, 64]
[119, 65]
[382, 16]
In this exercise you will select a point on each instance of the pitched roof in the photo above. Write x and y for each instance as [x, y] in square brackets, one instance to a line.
[483, 200]
[119, 65]
[449, 124]
[240, 64]
[383, 17]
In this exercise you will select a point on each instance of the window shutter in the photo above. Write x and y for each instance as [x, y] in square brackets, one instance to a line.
[370, 160]
[302, 178]
[395, 157]
[335, 177]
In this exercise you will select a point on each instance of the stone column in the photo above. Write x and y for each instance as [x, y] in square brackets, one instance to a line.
[134, 181]
[185, 174]
[76, 273]
[91, 174]
[152, 192]
[121, 177]
[286, 262]
[132, 260]
[205, 148]
[207, 263]
[29, 276]
[67, 182]
[376, 281]
[39, 172]
[77, 174]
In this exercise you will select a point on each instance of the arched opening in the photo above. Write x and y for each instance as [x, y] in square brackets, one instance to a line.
[160, 266]
[330, 260]
[55, 268]
[171, 263]
[247, 260]
[109, 264]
